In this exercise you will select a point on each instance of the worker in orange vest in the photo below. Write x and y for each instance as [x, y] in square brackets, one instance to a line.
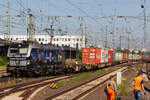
[138, 86]
[110, 88]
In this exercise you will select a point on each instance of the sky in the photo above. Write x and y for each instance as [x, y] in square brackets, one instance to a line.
[94, 15]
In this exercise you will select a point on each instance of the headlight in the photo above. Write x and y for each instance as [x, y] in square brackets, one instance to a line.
[28, 62]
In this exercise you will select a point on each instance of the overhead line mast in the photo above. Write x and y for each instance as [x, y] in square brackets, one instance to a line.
[31, 27]
[106, 39]
[81, 28]
[8, 21]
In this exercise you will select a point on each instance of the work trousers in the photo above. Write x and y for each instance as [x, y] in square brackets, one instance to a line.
[137, 94]
[111, 96]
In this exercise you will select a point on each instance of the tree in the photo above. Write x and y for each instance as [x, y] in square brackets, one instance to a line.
[79, 56]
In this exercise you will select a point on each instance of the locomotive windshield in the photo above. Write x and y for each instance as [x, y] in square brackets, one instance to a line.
[18, 49]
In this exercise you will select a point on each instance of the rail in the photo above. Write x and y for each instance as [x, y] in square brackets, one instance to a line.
[81, 86]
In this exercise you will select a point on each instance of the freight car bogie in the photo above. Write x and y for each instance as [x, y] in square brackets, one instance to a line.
[77, 67]
[88, 67]
[43, 70]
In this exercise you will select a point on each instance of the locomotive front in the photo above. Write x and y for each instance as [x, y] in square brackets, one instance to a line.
[18, 58]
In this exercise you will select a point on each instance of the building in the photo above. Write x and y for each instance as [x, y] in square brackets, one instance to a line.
[3, 47]
[75, 41]
[144, 50]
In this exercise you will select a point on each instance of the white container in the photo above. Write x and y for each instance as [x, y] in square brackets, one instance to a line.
[120, 56]
[130, 56]
[117, 56]
[106, 55]
[102, 55]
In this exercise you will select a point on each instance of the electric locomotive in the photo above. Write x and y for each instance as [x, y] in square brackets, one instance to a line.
[30, 58]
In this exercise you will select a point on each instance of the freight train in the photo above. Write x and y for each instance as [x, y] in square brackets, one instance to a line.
[28, 58]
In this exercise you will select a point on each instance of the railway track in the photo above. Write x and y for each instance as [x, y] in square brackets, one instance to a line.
[79, 91]
[2, 71]
[30, 86]
[4, 76]
[148, 70]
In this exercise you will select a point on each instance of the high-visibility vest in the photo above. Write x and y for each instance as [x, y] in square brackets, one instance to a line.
[110, 91]
[137, 83]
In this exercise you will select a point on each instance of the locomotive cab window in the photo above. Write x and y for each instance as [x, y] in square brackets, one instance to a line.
[23, 50]
[14, 51]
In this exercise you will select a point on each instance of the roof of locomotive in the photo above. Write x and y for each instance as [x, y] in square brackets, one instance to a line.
[52, 47]
[24, 44]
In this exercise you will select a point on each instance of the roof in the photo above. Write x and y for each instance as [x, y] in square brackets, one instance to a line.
[4, 42]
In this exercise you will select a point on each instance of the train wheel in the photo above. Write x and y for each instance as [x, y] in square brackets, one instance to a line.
[88, 67]
[83, 69]
[76, 68]
[14, 74]
[72, 70]
[54, 71]
[31, 74]
[41, 71]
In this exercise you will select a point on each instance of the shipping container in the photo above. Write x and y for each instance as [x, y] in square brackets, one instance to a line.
[109, 56]
[130, 56]
[120, 56]
[125, 56]
[145, 57]
[117, 56]
[136, 57]
[114, 56]
[85, 55]
[102, 55]
[98, 55]
[106, 55]
[140, 56]
[133, 56]
[91, 55]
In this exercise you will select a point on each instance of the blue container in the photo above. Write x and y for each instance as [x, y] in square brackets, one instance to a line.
[145, 57]
[114, 56]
